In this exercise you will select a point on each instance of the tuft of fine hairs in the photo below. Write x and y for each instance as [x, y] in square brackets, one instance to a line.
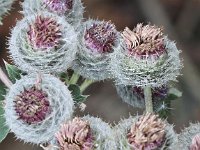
[71, 10]
[153, 66]
[187, 137]
[41, 120]
[97, 42]
[32, 52]
[125, 130]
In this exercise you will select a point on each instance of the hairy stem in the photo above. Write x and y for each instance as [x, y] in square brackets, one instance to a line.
[5, 79]
[86, 84]
[148, 99]
[74, 78]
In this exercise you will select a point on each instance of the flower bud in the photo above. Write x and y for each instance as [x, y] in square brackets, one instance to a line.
[146, 132]
[145, 57]
[97, 42]
[35, 107]
[86, 133]
[43, 42]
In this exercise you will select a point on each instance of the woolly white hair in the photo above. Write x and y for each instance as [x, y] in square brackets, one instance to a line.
[124, 126]
[129, 70]
[127, 96]
[102, 132]
[61, 104]
[54, 60]
[89, 65]
[5, 6]
[74, 16]
[186, 136]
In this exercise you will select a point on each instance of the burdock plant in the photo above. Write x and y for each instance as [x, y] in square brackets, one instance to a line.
[52, 46]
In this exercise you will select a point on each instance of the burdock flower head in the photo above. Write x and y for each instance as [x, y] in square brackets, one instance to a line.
[35, 106]
[189, 138]
[146, 132]
[44, 33]
[145, 57]
[32, 105]
[72, 10]
[43, 42]
[87, 133]
[5, 6]
[75, 135]
[97, 42]
[134, 96]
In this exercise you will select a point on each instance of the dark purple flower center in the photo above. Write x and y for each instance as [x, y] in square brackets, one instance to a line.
[100, 37]
[44, 33]
[59, 6]
[32, 105]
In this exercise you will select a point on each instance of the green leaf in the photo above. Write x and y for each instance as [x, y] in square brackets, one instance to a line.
[13, 72]
[76, 93]
[4, 130]
[173, 94]
[64, 77]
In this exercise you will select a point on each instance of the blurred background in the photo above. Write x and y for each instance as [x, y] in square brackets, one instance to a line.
[181, 22]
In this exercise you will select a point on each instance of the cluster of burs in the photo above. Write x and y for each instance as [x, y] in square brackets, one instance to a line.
[53, 37]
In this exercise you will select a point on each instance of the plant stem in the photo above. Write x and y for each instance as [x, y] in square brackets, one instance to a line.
[148, 99]
[5, 79]
[86, 84]
[74, 78]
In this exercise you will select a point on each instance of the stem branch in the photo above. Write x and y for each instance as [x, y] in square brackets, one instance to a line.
[148, 99]
[74, 78]
[4, 79]
[86, 84]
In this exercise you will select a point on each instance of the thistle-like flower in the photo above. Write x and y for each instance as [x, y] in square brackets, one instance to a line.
[86, 133]
[97, 42]
[146, 132]
[44, 33]
[43, 42]
[75, 134]
[134, 96]
[35, 108]
[72, 10]
[189, 138]
[5, 6]
[32, 105]
[145, 57]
